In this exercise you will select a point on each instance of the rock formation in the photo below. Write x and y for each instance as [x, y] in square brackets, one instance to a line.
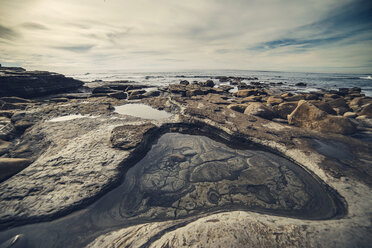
[21, 83]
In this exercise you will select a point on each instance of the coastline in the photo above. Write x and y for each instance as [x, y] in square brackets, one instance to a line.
[256, 113]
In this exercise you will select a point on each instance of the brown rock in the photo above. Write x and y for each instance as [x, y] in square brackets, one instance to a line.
[251, 99]
[286, 94]
[247, 92]
[258, 109]
[177, 88]
[350, 115]
[366, 110]
[337, 103]
[325, 107]
[308, 116]
[274, 100]
[285, 108]
[14, 99]
[238, 107]
[130, 136]
[118, 95]
[294, 98]
[11, 166]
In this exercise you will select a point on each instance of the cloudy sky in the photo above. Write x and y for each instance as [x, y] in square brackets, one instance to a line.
[153, 35]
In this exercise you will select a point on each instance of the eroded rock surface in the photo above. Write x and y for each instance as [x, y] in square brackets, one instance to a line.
[174, 198]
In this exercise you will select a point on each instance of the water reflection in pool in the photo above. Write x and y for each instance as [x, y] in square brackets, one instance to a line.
[143, 111]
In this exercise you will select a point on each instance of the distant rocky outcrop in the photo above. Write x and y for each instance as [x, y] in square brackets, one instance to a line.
[16, 81]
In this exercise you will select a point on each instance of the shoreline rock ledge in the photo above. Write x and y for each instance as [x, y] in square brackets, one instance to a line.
[16, 81]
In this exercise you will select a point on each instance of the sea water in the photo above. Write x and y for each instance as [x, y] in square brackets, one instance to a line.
[314, 81]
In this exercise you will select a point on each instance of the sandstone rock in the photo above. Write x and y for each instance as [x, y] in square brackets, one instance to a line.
[258, 109]
[350, 115]
[366, 110]
[129, 136]
[10, 166]
[329, 96]
[7, 129]
[225, 88]
[59, 99]
[325, 107]
[285, 108]
[177, 88]
[4, 145]
[15, 100]
[35, 83]
[252, 99]
[358, 102]
[308, 116]
[337, 103]
[118, 95]
[135, 94]
[341, 110]
[272, 100]
[247, 92]
[208, 83]
[102, 89]
[238, 107]
[286, 94]
[7, 113]
[12, 106]
[294, 98]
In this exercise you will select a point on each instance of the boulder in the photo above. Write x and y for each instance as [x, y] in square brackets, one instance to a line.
[237, 107]
[366, 110]
[308, 116]
[337, 103]
[35, 83]
[247, 92]
[325, 107]
[208, 83]
[258, 109]
[274, 100]
[184, 82]
[285, 108]
[11, 166]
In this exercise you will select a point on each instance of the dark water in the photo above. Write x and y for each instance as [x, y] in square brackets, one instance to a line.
[314, 81]
[188, 175]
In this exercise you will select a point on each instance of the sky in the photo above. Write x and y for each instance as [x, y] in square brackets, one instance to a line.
[170, 35]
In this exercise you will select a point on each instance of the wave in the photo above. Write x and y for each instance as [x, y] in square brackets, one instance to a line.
[367, 77]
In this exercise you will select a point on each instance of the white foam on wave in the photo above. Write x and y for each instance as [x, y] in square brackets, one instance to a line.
[367, 77]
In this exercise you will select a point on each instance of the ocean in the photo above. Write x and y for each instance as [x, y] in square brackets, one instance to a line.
[314, 81]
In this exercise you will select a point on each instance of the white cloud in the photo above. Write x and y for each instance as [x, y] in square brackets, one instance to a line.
[159, 35]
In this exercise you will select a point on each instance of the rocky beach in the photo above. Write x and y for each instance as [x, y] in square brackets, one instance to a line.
[226, 161]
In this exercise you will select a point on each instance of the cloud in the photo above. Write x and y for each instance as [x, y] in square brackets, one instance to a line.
[211, 34]
[340, 26]
[7, 33]
[33, 26]
[76, 48]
